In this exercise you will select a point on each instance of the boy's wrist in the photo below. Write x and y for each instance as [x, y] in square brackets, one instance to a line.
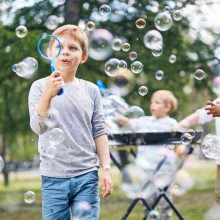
[106, 167]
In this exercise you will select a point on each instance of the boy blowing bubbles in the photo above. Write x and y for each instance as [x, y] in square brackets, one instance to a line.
[71, 176]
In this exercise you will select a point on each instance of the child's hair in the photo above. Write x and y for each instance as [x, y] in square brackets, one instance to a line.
[168, 98]
[76, 32]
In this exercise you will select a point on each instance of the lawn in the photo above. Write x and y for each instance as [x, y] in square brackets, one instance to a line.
[192, 205]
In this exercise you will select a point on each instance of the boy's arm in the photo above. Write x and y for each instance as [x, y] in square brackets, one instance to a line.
[39, 101]
[102, 148]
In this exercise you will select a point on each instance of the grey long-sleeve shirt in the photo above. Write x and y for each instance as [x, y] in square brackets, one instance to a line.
[79, 114]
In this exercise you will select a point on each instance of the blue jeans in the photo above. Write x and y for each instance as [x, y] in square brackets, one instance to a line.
[78, 195]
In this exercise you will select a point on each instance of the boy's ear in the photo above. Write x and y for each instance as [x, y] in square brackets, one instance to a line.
[84, 58]
[168, 107]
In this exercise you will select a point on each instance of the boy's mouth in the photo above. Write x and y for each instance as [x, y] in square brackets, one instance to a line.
[65, 61]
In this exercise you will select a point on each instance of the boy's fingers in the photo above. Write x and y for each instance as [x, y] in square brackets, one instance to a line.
[56, 74]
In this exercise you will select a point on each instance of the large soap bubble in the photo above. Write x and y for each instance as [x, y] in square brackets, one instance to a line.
[100, 46]
[153, 40]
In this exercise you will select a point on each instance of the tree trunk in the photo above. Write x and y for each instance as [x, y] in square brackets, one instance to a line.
[72, 11]
[5, 170]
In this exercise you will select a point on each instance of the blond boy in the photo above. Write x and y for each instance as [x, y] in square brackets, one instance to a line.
[162, 103]
[70, 177]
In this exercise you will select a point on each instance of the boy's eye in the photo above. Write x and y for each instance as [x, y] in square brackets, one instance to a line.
[73, 48]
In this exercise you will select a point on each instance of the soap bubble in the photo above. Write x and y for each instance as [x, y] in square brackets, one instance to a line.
[27, 68]
[90, 25]
[153, 40]
[21, 31]
[210, 146]
[123, 64]
[159, 74]
[172, 58]
[163, 21]
[55, 136]
[136, 67]
[133, 55]
[117, 44]
[135, 112]
[186, 138]
[112, 67]
[100, 46]
[52, 22]
[105, 10]
[177, 15]
[153, 215]
[140, 23]
[126, 47]
[157, 52]
[29, 197]
[143, 90]
[199, 74]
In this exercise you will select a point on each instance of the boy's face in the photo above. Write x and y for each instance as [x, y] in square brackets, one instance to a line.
[158, 108]
[70, 56]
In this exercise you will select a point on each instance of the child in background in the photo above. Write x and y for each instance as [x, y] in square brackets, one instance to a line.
[70, 177]
[204, 115]
[163, 103]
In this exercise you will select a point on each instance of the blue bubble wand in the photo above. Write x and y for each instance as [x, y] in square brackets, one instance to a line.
[44, 44]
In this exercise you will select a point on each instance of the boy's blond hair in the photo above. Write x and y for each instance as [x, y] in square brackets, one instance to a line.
[168, 98]
[76, 32]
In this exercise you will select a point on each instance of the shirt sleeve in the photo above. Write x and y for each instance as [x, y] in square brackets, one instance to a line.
[203, 117]
[37, 123]
[98, 119]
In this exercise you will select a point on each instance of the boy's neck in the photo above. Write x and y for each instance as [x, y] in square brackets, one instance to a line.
[161, 117]
[69, 78]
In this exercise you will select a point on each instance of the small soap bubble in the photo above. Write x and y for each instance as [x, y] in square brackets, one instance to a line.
[52, 22]
[153, 215]
[157, 52]
[163, 21]
[123, 64]
[177, 15]
[186, 138]
[21, 31]
[172, 58]
[133, 55]
[90, 25]
[140, 23]
[136, 67]
[112, 67]
[105, 10]
[199, 74]
[29, 197]
[55, 136]
[143, 90]
[126, 47]
[117, 44]
[159, 74]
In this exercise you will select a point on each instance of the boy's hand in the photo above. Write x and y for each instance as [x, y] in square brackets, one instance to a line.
[213, 108]
[122, 121]
[106, 183]
[54, 84]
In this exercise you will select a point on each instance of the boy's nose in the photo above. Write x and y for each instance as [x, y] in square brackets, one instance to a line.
[64, 51]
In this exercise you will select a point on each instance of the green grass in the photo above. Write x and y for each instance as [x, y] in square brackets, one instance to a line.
[192, 205]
